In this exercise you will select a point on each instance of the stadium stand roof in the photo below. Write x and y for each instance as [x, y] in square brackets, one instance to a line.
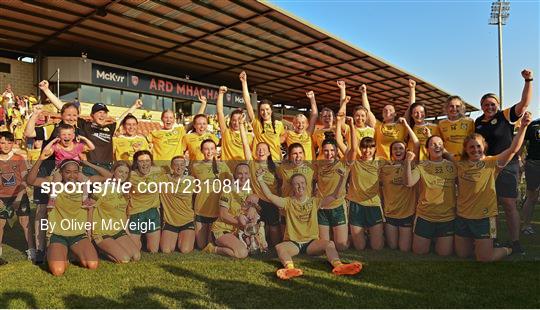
[212, 41]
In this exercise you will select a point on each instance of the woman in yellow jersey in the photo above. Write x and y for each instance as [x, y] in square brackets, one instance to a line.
[144, 201]
[236, 209]
[436, 207]
[177, 202]
[328, 129]
[167, 142]
[295, 164]
[364, 120]
[192, 141]
[399, 201]
[301, 134]
[265, 127]
[365, 211]
[129, 142]
[209, 174]
[456, 127]
[110, 218]
[416, 115]
[388, 131]
[232, 151]
[327, 175]
[301, 231]
[477, 198]
[262, 160]
[69, 222]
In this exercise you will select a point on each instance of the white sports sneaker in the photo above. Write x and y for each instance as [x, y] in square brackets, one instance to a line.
[31, 254]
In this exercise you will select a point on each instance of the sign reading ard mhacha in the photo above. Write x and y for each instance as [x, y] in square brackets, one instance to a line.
[130, 80]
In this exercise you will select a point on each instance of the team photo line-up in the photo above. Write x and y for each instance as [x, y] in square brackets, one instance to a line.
[354, 182]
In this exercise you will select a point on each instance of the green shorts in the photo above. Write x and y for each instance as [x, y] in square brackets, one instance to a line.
[205, 219]
[332, 217]
[477, 228]
[363, 216]
[67, 241]
[178, 229]
[98, 238]
[404, 222]
[302, 246]
[7, 211]
[429, 230]
[148, 220]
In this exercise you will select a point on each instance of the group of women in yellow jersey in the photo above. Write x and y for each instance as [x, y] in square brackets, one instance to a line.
[353, 182]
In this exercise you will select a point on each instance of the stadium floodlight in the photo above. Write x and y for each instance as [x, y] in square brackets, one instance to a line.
[500, 11]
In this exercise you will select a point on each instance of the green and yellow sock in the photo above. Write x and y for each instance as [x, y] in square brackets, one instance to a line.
[289, 265]
[336, 262]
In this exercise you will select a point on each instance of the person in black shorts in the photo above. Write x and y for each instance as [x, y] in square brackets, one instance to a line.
[497, 128]
[532, 175]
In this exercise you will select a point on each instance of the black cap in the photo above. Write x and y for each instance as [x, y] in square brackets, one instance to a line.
[99, 107]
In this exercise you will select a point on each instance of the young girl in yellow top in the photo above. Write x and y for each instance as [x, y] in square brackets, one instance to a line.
[236, 209]
[301, 231]
[301, 134]
[192, 141]
[399, 201]
[295, 163]
[265, 127]
[477, 199]
[262, 160]
[208, 172]
[178, 226]
[436, 207]
[110, 216]
[232, 151]
[456, 127]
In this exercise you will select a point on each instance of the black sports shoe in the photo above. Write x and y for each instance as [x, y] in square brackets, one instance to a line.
[517, 248]
[40, 257]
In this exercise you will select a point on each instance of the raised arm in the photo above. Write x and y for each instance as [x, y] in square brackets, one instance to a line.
[245, 141]
[89, 146]
[352, 151]
[30, 129]
[104, 174]
[245, 96]
[412, 98]
[412, 135]
[409, 179]
[342, 89]
[371, 120]
[278, 201]
[314, 112]
[219, 107]
[526, 95]
[137, 104]
[505, 157]
[44, 86]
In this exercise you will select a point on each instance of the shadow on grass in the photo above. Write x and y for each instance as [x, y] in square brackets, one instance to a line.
[7, 297]
[138, 297]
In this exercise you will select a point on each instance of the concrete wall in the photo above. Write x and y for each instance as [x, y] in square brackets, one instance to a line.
[21, 77]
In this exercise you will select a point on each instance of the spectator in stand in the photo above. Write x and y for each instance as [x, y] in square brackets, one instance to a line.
[8, 98]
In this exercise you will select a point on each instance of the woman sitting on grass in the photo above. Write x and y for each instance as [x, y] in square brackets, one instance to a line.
[301, 228]
[236, 210]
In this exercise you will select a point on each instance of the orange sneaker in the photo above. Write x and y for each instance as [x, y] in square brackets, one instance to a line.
[287, 273]
[348, 269]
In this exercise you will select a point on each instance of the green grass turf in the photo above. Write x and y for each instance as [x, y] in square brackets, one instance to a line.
[198, 280]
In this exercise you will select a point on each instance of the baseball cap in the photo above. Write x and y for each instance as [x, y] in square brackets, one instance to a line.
[99, 107]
